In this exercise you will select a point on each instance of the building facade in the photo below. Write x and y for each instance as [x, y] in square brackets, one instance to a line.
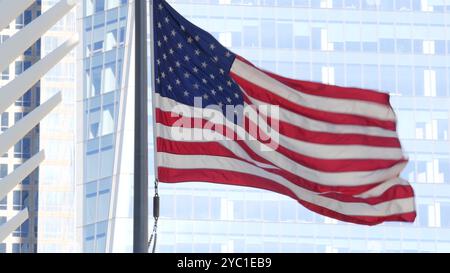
[104, 173]
[25, 195]
[57, 192]
[400, 46]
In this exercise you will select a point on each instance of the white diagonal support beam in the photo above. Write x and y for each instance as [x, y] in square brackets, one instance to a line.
[15, 222]
[21, 128]
[16, 88]
[9, 182]
[17, 44]
[9, 10]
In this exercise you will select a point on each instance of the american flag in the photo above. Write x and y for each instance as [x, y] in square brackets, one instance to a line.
[333, 149]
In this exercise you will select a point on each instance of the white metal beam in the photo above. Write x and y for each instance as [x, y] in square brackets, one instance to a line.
[16, 88]
[8, 183]
[15, 222]
[21, 128]
[18, 43]
[9, 10]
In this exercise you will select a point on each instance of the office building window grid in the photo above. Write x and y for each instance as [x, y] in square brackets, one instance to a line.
[104, 30]
[348, 43]
[400, 47]
[25, 195]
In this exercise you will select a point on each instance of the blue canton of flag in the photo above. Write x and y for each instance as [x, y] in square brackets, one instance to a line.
[190, 63]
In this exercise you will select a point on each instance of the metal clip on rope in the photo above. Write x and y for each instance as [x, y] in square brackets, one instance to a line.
[154, 236]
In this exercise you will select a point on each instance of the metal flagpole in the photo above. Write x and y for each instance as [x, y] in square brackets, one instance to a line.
[140, 212]
[153, 237]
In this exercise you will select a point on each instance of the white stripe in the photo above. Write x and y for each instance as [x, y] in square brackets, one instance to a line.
[325, 127]
[171, 133]
[185, 162]
[324, 151]
[342, 106]
[283, 162]
[382, 188]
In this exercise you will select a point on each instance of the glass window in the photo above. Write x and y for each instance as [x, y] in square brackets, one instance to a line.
[387, 78]
[372, 5]
[353, 46]
[370, 46]
[403, 5]
[26, 180]
[287, 210]
[5, 74]
[2, 248]
[251, 36]
[371, 77]
[96, 81]
[3, 170]
[405, 84]
[22, 231]
[419, 80]
[4, 121]
[270, 211]
[101, 236]
[422, 214]
[25, 100]
[441, 82]
[110, 80]
[89, 239]
[20, 200]
[354, 75]
[111, 40]
[404, 46]
[285, 34]
[439, 47]
[90, 202]
[444, 169]
[445, 215]
[19, 67]
[387, 45]
[268, 34]
[4, 203]
[239, 210]
[104, 196]
[201, 207]
[253, 210]
[316, 38]
[184, 207]
[23, 148]
[108, 120]
[99, 5]
[20, 21]
[352, 4]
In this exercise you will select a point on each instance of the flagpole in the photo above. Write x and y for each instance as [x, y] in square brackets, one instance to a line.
[140, 211]
[153, 85]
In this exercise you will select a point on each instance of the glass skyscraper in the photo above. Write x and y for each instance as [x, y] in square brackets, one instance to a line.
[24, 195]
[400, 46]
[104, 136]
[57, 196]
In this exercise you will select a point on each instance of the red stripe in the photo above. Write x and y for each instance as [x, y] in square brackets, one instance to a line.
[325, 165]
[329, 91]
[296, 132]
[215, 149]
[168, 175]
[266, 96]
[200, 148]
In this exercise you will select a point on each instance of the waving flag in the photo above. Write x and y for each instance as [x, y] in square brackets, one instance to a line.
[221, 119]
